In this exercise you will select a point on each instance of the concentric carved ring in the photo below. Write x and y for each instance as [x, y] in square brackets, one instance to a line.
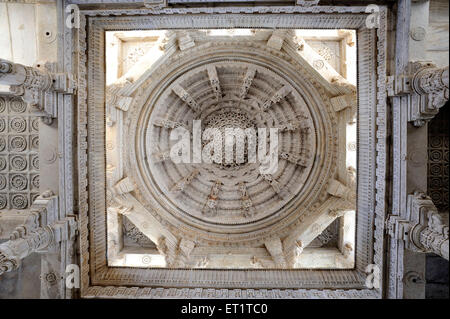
[228, 89]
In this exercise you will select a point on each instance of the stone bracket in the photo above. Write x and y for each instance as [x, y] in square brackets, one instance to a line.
[38, 86]
[155, 4]
[427, 89]
[41, 237]
[423, 230]
[307, 3]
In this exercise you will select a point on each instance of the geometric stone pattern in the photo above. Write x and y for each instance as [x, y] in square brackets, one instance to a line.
[438, 159]
[19, 160]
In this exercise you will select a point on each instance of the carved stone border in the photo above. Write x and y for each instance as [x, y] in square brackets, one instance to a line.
[371, 162]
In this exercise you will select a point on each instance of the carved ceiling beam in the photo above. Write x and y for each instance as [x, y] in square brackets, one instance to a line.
[277, 97]
[185, 40]
[166, 242]
[115, 235]
[246, 203]
[116, 102]
[320, 66]
[342, 102]
[312, 226]
[186, 97]
[175, 255]
[120, 102]
[425, 231]
[337, 189]
[323, 258]
[124, 186]
[427, 88]
[162, 156]
[300, 160]
[182, 254]
[182, 183]
[277, 38]
[247, 83]
[210, 207]
[275, 248]
[38, 86]
[42, 234]
[169, 124]
[214, 80]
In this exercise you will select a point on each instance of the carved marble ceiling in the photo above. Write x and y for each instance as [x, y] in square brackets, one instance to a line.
[163, 213]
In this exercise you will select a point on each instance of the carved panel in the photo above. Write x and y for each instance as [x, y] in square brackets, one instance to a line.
[438, 162]
[19, 161]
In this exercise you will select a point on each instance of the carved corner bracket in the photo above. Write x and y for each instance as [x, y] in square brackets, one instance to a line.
[427, 88]
[424, 229]
[41, 234]
[38, 86]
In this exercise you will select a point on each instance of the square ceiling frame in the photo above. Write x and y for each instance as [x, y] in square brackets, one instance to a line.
[98, 280]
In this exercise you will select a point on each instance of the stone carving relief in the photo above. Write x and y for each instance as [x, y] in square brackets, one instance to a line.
[438, 160]
[233, 196]
[192, 199]
[38, 86]
[426, 229]
[19, 160]
[139, 95]
[132, 235]
[427, 87]
[42, 232]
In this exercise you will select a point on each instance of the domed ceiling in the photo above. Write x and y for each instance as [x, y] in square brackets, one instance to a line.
[266, 208]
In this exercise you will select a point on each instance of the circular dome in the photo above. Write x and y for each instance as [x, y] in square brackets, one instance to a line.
[235, 88]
